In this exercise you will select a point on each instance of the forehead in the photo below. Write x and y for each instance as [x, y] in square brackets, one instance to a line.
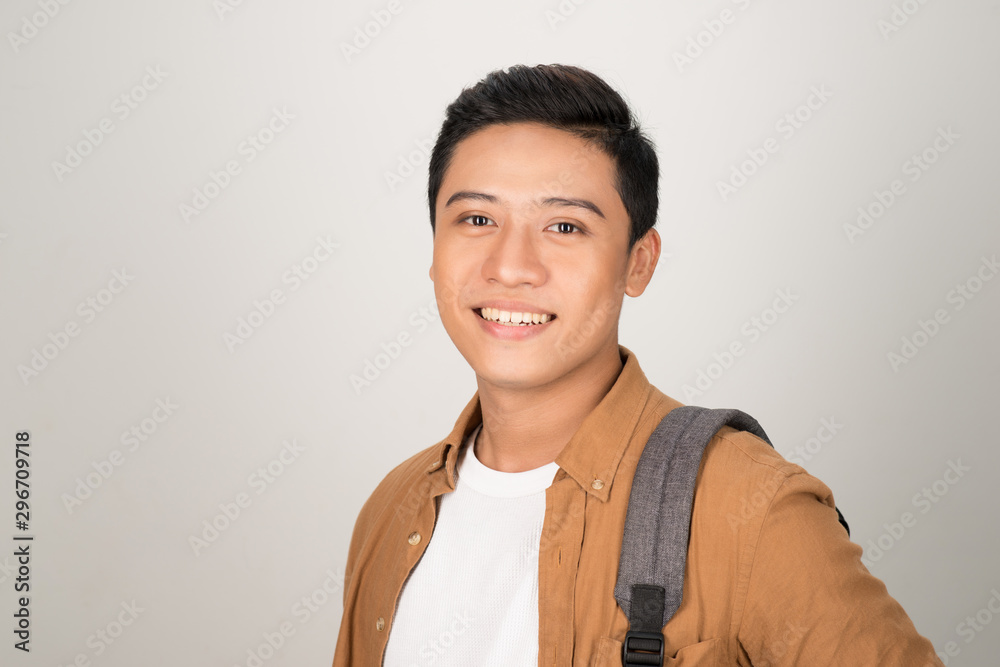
[530, 160]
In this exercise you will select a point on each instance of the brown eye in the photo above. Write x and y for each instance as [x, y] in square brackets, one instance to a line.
[565, 227]
[478, 220]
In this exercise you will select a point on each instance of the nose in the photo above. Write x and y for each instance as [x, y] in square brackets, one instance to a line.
[514, 258]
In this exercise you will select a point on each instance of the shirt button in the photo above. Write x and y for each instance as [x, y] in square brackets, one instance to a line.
[414, 538]
[598, 484]
[380, 624]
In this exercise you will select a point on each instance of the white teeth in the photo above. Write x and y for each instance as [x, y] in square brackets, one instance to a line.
[513, 318]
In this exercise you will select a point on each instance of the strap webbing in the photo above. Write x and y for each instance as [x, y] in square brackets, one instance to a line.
[658, 521]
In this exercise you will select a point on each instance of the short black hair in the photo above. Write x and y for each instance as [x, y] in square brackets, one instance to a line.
[563, 97]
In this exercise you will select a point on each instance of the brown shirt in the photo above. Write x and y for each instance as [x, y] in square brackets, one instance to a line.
[771, 577]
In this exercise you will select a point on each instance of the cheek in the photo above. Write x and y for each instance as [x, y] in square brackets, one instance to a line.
[447, 267]
[450, 261]
[603, 289]
[451, 288]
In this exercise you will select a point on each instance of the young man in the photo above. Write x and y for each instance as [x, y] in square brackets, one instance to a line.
[499, 545]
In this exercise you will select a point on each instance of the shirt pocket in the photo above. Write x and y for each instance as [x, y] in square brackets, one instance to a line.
[703, 654]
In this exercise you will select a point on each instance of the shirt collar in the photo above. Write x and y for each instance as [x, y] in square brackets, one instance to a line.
[592, 455]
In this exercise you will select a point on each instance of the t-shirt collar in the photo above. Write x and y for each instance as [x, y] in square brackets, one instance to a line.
[592, 455]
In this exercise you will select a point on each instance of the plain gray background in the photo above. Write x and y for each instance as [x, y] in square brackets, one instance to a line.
[340, 160]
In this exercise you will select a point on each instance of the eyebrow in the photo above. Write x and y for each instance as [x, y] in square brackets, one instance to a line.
[548, 201]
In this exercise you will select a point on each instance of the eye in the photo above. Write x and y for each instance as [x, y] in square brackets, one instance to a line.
[565, 227]
[477, 220]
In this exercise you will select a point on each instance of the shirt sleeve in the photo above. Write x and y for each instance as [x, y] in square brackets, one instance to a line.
[810, 600]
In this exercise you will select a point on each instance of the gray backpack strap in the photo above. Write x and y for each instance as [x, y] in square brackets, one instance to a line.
[658, 522]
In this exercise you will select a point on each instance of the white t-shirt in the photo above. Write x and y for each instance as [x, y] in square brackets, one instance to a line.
[472, 599]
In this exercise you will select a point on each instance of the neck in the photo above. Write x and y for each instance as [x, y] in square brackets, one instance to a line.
[526, 429]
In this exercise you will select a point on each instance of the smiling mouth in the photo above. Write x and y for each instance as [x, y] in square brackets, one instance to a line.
[513, 319]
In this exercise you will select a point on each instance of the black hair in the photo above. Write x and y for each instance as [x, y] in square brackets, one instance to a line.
[563, 97]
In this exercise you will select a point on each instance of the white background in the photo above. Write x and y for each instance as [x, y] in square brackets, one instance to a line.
[897, 74]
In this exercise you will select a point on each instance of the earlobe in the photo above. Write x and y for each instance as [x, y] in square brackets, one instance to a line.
[430, 272]
[642, 263]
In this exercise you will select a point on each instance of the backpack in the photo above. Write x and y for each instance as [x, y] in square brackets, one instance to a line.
[658, 521]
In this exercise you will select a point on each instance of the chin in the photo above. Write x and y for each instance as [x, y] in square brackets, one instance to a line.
[502, 374]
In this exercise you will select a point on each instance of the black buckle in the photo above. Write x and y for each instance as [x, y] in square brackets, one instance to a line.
[642, 648]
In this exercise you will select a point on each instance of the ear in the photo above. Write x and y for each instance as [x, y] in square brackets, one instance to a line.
[430, 272]
[641, 263]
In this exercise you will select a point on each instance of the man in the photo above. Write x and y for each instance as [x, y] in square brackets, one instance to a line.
[499, 545]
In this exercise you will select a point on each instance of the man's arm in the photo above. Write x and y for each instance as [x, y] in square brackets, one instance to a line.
[811, 601]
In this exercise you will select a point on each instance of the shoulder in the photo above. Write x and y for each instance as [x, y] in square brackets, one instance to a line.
[741, 476]
[742, 448]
